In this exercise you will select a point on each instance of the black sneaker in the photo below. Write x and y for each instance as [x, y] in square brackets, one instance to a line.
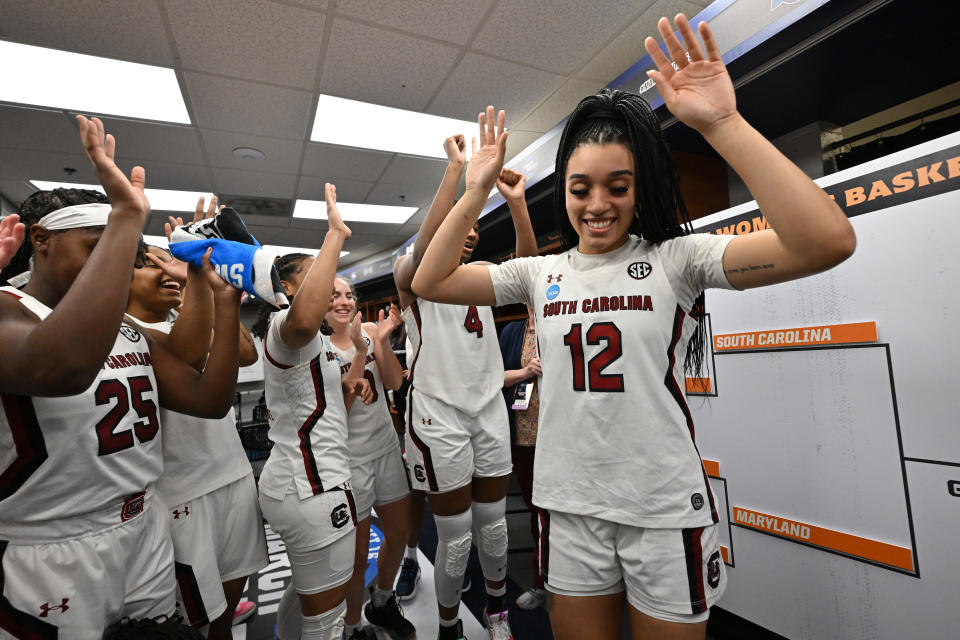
[361, 633]
[409, 577]
[456, 633]
[390, 618]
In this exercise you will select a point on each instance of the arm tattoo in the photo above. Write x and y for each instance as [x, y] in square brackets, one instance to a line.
[752, 267]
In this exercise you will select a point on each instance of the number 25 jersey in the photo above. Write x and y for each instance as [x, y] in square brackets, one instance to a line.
[66, 456]
[616, 438]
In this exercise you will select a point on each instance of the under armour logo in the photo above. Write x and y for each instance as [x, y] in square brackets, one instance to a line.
[46, 608]
[426, 420]
[554, 278]
[177, 513]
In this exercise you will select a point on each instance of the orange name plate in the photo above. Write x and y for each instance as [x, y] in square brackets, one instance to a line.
[849, 333]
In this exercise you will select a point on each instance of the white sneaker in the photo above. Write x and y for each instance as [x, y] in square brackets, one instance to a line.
[497, 626]
[531, 599]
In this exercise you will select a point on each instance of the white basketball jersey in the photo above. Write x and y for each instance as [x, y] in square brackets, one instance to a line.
[369, 427]
[308, 420]
[199, 454]
[616, 437]
[456, 356]
[66, 456]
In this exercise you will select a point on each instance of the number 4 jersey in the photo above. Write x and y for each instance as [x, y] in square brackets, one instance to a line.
[615, 439]
[66, 456]
[456, 357]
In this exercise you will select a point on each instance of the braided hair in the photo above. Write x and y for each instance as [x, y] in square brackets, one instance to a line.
[287, 265]
[619, 117]
[37, 205]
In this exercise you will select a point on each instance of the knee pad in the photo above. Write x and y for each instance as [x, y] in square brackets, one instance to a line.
[491, 523]
[326, 626]
[453, 552]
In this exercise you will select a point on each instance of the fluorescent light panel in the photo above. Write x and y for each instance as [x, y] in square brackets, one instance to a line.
[156, 241]
[89, 84]
[160, 199]
[351, 212]
[369, 126]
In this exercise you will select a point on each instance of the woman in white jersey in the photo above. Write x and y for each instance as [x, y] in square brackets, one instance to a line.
[207, 483]
[629, 507]
[458, 432]
[83, 541]
[376, 463]
[305, 488]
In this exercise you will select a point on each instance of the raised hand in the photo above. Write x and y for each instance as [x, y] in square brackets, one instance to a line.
[125, 194]
[212, 210]
[333, 214]
[356, 336]
[387, 325]
[511, 184]
[699, 92]
[219, 286]
[358, 387]
[487, 154]
[174, 268]
[11, 237]
[456, 148]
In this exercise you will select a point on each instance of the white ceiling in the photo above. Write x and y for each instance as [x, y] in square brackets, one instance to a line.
[251, 71]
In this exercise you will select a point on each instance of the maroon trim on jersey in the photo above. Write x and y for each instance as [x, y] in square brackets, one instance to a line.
[21, 624]
[416, 316]
[190, 594]
[674, 387]
[270, 359]
[693, 550]
[543, 540]
[27, 440]
[306, 448]
[11, 293]
[352, 503]
[422, 446]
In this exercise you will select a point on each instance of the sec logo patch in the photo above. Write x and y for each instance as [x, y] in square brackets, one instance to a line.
[639, 270]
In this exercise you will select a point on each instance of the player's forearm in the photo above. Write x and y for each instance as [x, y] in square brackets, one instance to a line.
[442, 203]
[390, 370]
[313, 299]
[218, 382]
[189, 339]
[443, 255]
[526, 240]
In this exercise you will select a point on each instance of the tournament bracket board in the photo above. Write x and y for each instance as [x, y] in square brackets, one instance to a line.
[827, 416]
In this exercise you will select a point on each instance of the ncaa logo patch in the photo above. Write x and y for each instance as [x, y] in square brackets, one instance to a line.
[639, 270]
[697, 501]
[713, 570]
[553, 291]
[340, 515]
[129, 333]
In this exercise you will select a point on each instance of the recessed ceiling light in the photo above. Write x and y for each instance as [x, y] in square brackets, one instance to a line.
[248, 153]
[351, 212]
[370, 126]
[160, 199]
[282, 251]
[89, 84]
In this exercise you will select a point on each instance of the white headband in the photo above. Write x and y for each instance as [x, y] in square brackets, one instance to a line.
[76, 216]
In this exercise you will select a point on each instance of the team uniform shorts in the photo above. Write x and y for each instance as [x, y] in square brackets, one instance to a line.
[379, 481]
[669, 574]
[217, 537]
[446, 447]
[78, 575]
[319, 535]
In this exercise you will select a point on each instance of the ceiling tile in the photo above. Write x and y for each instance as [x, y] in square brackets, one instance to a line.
[159, 142]
[217, 36]
[135, 30]
[343, 162]
[348, 190]
[626, 48]
[170, 175]
[559, 105]
[570, 33]
[414, 194]
[46, 165]
[517, 141]
[518, 89]
[282, 156]
[383, 67]
[248, 107]
[39, 129]
[415, 170]
[449, 20]
[254, 183]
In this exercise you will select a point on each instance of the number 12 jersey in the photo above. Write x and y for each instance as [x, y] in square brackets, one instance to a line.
[616, 437]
